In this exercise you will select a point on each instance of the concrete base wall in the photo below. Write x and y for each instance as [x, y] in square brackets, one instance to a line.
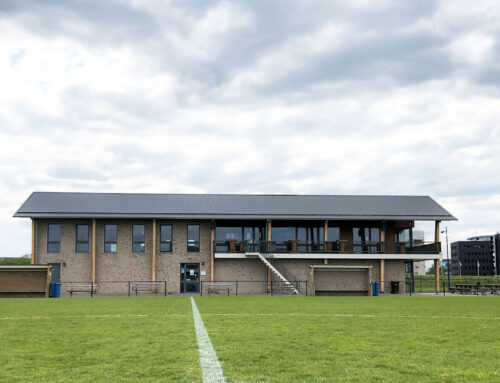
[19, 283]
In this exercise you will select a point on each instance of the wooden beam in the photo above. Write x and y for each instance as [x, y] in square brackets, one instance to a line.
[93, 248]
[325, 240]
[382, 275]
[436, 274]
[153, 264]
[212, 251]
[436, 231]
[33, 244]
[47, 286]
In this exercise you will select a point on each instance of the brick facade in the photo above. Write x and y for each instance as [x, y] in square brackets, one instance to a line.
[114, 270]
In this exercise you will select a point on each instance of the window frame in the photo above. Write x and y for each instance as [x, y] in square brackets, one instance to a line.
[169, 241]
[77, 242]
[115, 242]
[143, 250]
[49, 242]
[193, 249]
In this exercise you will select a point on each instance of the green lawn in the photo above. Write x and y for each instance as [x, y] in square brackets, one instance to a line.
[67, 348]
[257, 339]
[14, 261]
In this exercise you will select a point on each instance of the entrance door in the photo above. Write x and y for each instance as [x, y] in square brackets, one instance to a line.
[190, 277]
[55, 276]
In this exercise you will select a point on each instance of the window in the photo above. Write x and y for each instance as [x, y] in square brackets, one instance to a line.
[138, 238]
[54, 238]
[110, 238]
[165, 238]
[82, 238]
[193, 239]
[365, 239]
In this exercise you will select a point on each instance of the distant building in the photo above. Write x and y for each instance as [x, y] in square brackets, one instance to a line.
[419, 268]
[494, 239]
[472, 258]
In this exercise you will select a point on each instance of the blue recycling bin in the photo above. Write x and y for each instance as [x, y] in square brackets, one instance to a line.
[55, 290]
[375, 289]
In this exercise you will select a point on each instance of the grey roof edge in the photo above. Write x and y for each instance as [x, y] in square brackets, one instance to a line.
[239, 216]
[453, 218]
[239, 194]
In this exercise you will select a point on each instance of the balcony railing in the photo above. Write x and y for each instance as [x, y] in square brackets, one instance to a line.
[296, 246]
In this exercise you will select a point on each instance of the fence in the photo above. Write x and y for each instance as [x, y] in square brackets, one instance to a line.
[242, 288]
[427, 284]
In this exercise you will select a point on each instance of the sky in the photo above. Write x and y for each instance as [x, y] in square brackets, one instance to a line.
[303, 97]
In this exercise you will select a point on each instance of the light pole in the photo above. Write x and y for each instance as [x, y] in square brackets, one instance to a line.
[447, 257]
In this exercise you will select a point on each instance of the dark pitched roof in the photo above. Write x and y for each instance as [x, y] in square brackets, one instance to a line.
[230, 206]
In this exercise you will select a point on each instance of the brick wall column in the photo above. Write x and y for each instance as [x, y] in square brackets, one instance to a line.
[93, 248]
[33, 245]
[153, 263]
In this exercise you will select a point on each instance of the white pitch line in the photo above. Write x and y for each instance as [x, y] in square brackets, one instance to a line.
[210, 365]
[77, 316]
[356, 315]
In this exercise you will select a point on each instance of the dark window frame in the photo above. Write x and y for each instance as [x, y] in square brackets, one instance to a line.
[168, 241]
[195, 248]
[49, 242]
[115, 242]
[77, 242]
[143, 242]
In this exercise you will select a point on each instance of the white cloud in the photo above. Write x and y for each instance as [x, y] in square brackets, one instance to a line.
[307, 97]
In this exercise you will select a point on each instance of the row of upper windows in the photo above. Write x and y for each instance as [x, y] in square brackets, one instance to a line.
[111, 238]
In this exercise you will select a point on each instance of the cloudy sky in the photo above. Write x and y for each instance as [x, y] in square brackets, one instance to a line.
[337, 97]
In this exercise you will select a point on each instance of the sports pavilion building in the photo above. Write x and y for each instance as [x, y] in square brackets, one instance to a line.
[337, 244]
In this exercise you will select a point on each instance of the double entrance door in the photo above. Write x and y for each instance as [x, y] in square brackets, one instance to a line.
[190, 277]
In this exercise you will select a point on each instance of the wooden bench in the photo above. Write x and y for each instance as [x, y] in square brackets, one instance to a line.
[81, 288]
[217, 287]
[466, 288]
[493, 288]
[153, 287]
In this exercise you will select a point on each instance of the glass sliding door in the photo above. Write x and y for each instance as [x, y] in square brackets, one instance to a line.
[366, 239]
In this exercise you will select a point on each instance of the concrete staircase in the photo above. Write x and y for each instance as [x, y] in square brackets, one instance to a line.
[284, 282]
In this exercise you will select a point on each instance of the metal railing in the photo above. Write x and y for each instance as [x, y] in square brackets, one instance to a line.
[251, 288]
[308, 247]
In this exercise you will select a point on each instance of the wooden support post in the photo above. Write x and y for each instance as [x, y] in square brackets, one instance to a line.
[212, 250]
[436, 261]
[325, 240]
[382, 275]
[268, 244]
[382, 262]
[93, 248]
[33, 244]
[382, 238]
[436, 274]
[153, 264]
[47, 286]
[436, 232]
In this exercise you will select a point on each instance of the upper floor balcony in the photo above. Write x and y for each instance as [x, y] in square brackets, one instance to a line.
[325, 247]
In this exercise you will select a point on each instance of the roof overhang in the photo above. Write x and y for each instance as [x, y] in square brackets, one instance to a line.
[238, 216]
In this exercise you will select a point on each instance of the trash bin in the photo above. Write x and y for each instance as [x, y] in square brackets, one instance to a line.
[55, 290]
[394, 287]
[375, 289]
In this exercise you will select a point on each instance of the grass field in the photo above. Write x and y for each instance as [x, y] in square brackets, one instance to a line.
[14, 261]
[257, 339]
